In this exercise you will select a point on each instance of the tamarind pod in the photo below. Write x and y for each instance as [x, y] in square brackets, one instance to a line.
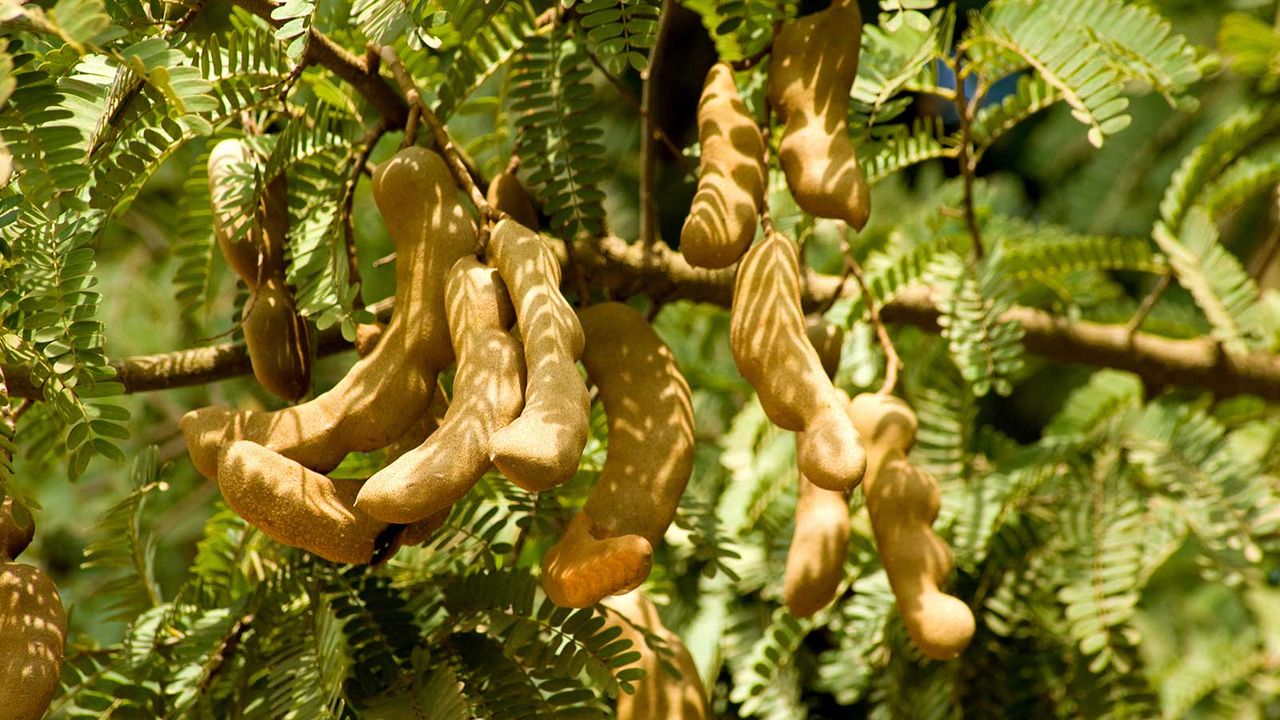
[581, 568]
[903, 502]
[658, 695]
[827, 340]
[387, 391]
[772, 351]
[508, 195]
[814, 63]
[541, 448]
[278, 341]
[14, 538]
[820, 543]
[815, 561]
[647, 465]
[240, 246]
[731, 181]
[33, 637]
[296, 506]
[488, 394]
[275, 336]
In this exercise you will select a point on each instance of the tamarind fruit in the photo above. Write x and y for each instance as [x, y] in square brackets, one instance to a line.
[772, 351]
[421, 428]
[275, 335]
[903, 501]
[296, 506]
[388, 390]
[488, 394]
[731, 181]
[814, 63]
[33, 627]
[508, 195]
[827, 340]
[658, 695]
[608, 548]
[820, 543]
[541, 448]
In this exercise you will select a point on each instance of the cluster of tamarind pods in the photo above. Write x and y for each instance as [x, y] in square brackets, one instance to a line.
[520, 405]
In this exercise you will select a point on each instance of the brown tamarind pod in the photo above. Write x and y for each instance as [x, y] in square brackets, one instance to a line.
[299, 507]
[33, 628]
[386, 392]
[820, 543]
[508, 195]
[276, 337]
[731, 181]
[828, 341]
[541, 448]
[903, 501]
[646, 468]
[811, 73]
[488, 393]
[772, 351]
[278, 341]
[659, 695]
[240, 246]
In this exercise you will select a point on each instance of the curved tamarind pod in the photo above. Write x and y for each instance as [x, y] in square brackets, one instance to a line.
[722, 220]
[815, 561]
[772, 351]
[33, 626]
[278, 341]
[488, 393]
[33, 637]
[508, 195]
[903, 502]
[828, 342]
[276, 337]
[541, 448]
[658, 695]
[387, 391]
[581, 568]
[815, 61]
[13, 537]
[820, 543]
[239, 246]
[296, 506]
[647, 466]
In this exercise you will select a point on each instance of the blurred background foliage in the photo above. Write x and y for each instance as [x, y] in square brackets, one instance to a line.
[1117, 542]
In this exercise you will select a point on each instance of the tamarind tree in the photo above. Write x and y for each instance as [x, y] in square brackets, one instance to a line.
[1011, 265]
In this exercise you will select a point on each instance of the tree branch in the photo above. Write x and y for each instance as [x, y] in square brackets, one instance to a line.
[648, 211]
[622, 270]
[354, 70]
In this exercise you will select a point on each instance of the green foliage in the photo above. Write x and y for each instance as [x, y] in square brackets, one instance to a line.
[555, 115]
[1117, 540]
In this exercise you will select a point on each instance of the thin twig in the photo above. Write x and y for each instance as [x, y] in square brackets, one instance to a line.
[648, 208]
[444, 143]
[1148, 303]
[626, 94]
[893, 363]
[358, 161]
[766, 131]
[966, 159]
[1266, 253]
